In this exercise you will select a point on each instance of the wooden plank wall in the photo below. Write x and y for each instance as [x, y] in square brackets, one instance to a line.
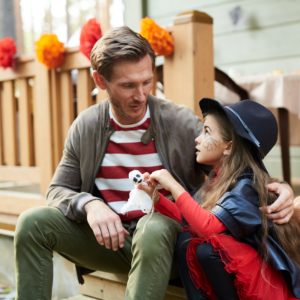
[250, 36]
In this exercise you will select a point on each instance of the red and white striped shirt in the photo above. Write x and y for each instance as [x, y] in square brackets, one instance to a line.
[125, 152]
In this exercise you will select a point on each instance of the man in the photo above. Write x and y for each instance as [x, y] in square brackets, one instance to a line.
[132, 130]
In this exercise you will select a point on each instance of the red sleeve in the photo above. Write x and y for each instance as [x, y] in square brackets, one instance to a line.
[168, 208]
[201, 221]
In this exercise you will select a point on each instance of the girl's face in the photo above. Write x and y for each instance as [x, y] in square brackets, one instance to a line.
[210, 146]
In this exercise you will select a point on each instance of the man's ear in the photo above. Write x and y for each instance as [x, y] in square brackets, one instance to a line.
[228, 148]
[99, 80]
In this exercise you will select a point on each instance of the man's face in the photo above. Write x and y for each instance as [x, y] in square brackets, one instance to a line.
[128, 89]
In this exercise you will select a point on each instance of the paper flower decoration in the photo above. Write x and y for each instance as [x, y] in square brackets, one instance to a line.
[8, 50]
[89, 35]
[50, 51]
[159, 38]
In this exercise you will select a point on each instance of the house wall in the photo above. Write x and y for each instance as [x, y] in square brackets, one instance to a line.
[250, 36]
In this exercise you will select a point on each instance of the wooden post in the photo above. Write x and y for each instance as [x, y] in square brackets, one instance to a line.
[189, 73]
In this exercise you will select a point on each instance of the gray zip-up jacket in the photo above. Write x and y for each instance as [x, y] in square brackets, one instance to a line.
[173, 129]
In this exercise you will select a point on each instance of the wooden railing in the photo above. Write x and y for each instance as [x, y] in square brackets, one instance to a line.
[38, 105]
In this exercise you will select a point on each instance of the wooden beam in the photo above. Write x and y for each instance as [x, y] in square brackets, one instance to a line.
[44, 147]
[7, 222]
[9, 117]
[19, 174]
[24, 68]
[74, 59]
[25, 123]
[67, 102]
[56, 116]
[14, 203]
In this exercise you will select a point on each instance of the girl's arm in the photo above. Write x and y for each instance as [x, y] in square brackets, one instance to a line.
[201, 221]
[168, 208]
[161, 204]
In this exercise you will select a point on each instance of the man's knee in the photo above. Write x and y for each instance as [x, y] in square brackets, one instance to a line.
[31, 223]
[154, 233]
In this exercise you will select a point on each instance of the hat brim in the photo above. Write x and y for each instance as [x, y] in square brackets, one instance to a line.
[209, 105]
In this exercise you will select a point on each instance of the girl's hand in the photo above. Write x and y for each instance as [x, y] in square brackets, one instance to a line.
[149, 186]
[167, 182]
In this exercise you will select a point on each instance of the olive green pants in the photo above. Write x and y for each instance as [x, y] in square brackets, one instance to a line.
[147, 256]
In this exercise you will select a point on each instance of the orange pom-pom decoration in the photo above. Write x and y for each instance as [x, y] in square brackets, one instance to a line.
[50, 51]
[8, 50]
[159, 38]
[89, 35]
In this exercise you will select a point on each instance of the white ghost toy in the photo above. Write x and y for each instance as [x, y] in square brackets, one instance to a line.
[138, 199]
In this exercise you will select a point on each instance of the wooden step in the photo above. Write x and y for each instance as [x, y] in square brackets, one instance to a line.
[8, 222]
[108, 286]
[80, 297]
[12, 204]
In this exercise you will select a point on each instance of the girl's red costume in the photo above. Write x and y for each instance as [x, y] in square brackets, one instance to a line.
[232, 228]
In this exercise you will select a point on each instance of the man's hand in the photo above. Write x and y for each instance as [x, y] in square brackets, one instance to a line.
[106, 225]
[282, 209]
[297, 207]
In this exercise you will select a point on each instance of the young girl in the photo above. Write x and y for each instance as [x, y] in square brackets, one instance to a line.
[263, 257]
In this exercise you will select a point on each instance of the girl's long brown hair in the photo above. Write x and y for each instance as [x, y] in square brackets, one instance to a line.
[244, 157]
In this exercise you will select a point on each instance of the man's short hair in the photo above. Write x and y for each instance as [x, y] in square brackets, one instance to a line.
[119, 44]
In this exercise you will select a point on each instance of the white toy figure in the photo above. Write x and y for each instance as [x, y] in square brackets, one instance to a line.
[138, 199]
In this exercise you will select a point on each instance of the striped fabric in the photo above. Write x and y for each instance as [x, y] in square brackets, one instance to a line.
[125, 152]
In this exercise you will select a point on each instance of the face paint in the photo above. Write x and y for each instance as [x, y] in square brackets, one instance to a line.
[210, 145]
